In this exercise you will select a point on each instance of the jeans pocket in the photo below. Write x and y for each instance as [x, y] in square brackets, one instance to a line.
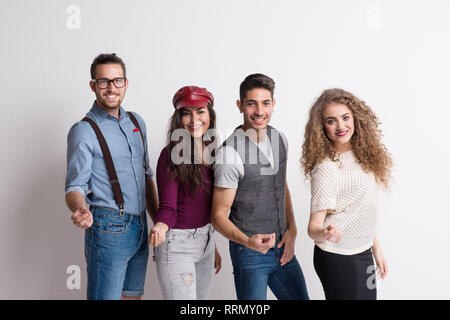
[113, 224]
[176, 236]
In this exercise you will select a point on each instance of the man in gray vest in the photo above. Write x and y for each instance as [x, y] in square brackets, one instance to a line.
[250, 183]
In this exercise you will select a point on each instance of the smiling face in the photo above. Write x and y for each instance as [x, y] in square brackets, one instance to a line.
[257, 108]
[196, 120]
[110, 98]
[339, 126]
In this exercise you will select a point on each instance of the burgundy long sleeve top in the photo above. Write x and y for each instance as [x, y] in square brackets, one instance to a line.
[177, 208]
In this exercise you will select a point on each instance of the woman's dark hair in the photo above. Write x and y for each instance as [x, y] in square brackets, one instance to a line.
[190, 174]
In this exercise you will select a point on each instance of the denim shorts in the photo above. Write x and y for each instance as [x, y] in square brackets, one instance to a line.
[116, 252]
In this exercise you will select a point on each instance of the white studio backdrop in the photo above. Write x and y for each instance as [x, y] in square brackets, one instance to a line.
[392, 54]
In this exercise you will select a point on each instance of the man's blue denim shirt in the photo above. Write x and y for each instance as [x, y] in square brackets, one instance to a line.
[86, 170]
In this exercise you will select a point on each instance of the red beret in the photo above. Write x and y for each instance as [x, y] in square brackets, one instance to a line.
[192, 96]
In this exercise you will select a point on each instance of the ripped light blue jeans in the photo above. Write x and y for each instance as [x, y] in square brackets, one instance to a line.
[185, 263]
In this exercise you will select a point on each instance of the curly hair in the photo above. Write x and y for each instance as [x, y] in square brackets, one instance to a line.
[366, 140]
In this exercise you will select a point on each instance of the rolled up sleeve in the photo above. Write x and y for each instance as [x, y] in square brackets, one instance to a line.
[79, 159]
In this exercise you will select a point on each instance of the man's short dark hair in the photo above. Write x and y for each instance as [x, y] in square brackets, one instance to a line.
[256, 80]
[107, 58]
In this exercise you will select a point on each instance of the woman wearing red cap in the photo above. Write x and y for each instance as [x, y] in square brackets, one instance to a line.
[186, 255]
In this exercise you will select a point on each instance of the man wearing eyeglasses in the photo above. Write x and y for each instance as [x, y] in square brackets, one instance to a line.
[116, 232]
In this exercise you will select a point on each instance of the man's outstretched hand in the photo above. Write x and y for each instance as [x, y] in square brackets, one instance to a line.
[82, 218]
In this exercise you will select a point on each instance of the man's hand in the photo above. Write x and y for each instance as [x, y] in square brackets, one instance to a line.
[158, 234]
[288, 241]
[261, 242]
[82, 218]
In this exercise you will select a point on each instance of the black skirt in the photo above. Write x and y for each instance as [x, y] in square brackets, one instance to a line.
[346, 277]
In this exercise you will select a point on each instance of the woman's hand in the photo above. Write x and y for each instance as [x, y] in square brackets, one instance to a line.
[382, 266]
[317, 232]
[217, 260]
[158, 234]
[332, 234]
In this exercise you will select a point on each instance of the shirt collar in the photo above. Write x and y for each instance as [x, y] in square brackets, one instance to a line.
[101, 114]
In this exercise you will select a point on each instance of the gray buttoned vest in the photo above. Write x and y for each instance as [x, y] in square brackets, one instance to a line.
[259, 204]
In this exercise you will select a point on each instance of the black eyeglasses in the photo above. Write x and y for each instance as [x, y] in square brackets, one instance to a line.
[104, 83]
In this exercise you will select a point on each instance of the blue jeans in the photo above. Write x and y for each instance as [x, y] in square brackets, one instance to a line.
[116, 252]
[254, 271]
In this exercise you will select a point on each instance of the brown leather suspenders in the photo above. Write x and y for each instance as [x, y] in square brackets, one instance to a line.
[147, 186]
[117, 190]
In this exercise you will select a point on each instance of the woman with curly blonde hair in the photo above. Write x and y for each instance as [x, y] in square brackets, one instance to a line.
[346, 161]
